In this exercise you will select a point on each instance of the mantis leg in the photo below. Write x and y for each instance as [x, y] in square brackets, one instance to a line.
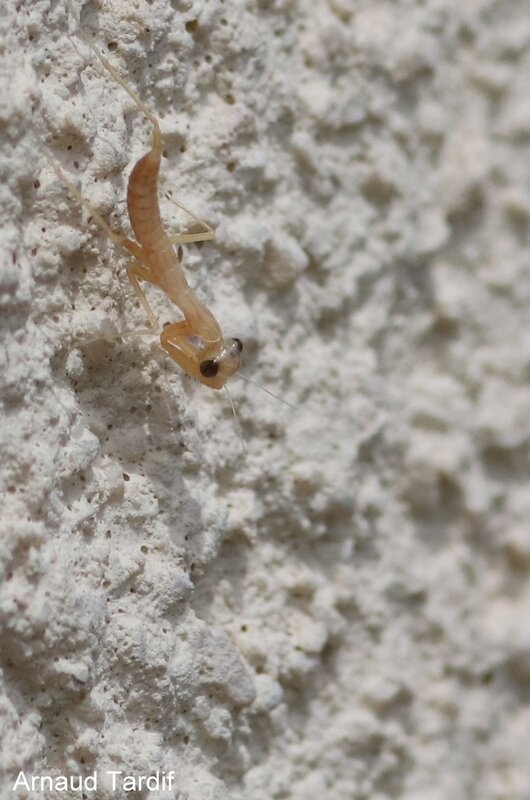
[175, 335]
[157, 137]
[118, 238]
[173, 340]
[136, 273]
[188, 238]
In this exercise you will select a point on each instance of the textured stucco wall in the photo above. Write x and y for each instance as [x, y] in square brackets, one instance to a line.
[343, 610]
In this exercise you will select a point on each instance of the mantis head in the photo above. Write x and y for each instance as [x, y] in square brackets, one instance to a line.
[219, 361]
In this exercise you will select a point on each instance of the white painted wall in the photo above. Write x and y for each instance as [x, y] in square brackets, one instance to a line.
[341, 611]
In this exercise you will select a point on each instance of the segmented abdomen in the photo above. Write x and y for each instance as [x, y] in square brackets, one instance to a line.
[142, 200]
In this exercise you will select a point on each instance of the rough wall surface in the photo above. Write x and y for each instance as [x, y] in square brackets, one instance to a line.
[341, 611]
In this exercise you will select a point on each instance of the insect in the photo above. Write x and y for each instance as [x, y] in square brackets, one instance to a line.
[196, 343]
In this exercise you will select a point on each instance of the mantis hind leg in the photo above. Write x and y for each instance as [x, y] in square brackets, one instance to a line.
[157, 136]
[118, 238]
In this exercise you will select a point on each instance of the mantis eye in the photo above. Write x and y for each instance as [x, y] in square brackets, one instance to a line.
[209, 368]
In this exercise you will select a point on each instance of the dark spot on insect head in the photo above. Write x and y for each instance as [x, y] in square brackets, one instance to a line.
[239, 344]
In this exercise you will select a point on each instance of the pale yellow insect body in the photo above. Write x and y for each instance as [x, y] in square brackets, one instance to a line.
[196, 343]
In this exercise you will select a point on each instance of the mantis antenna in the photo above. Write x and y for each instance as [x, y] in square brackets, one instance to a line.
[267, 391]
[236, 420]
